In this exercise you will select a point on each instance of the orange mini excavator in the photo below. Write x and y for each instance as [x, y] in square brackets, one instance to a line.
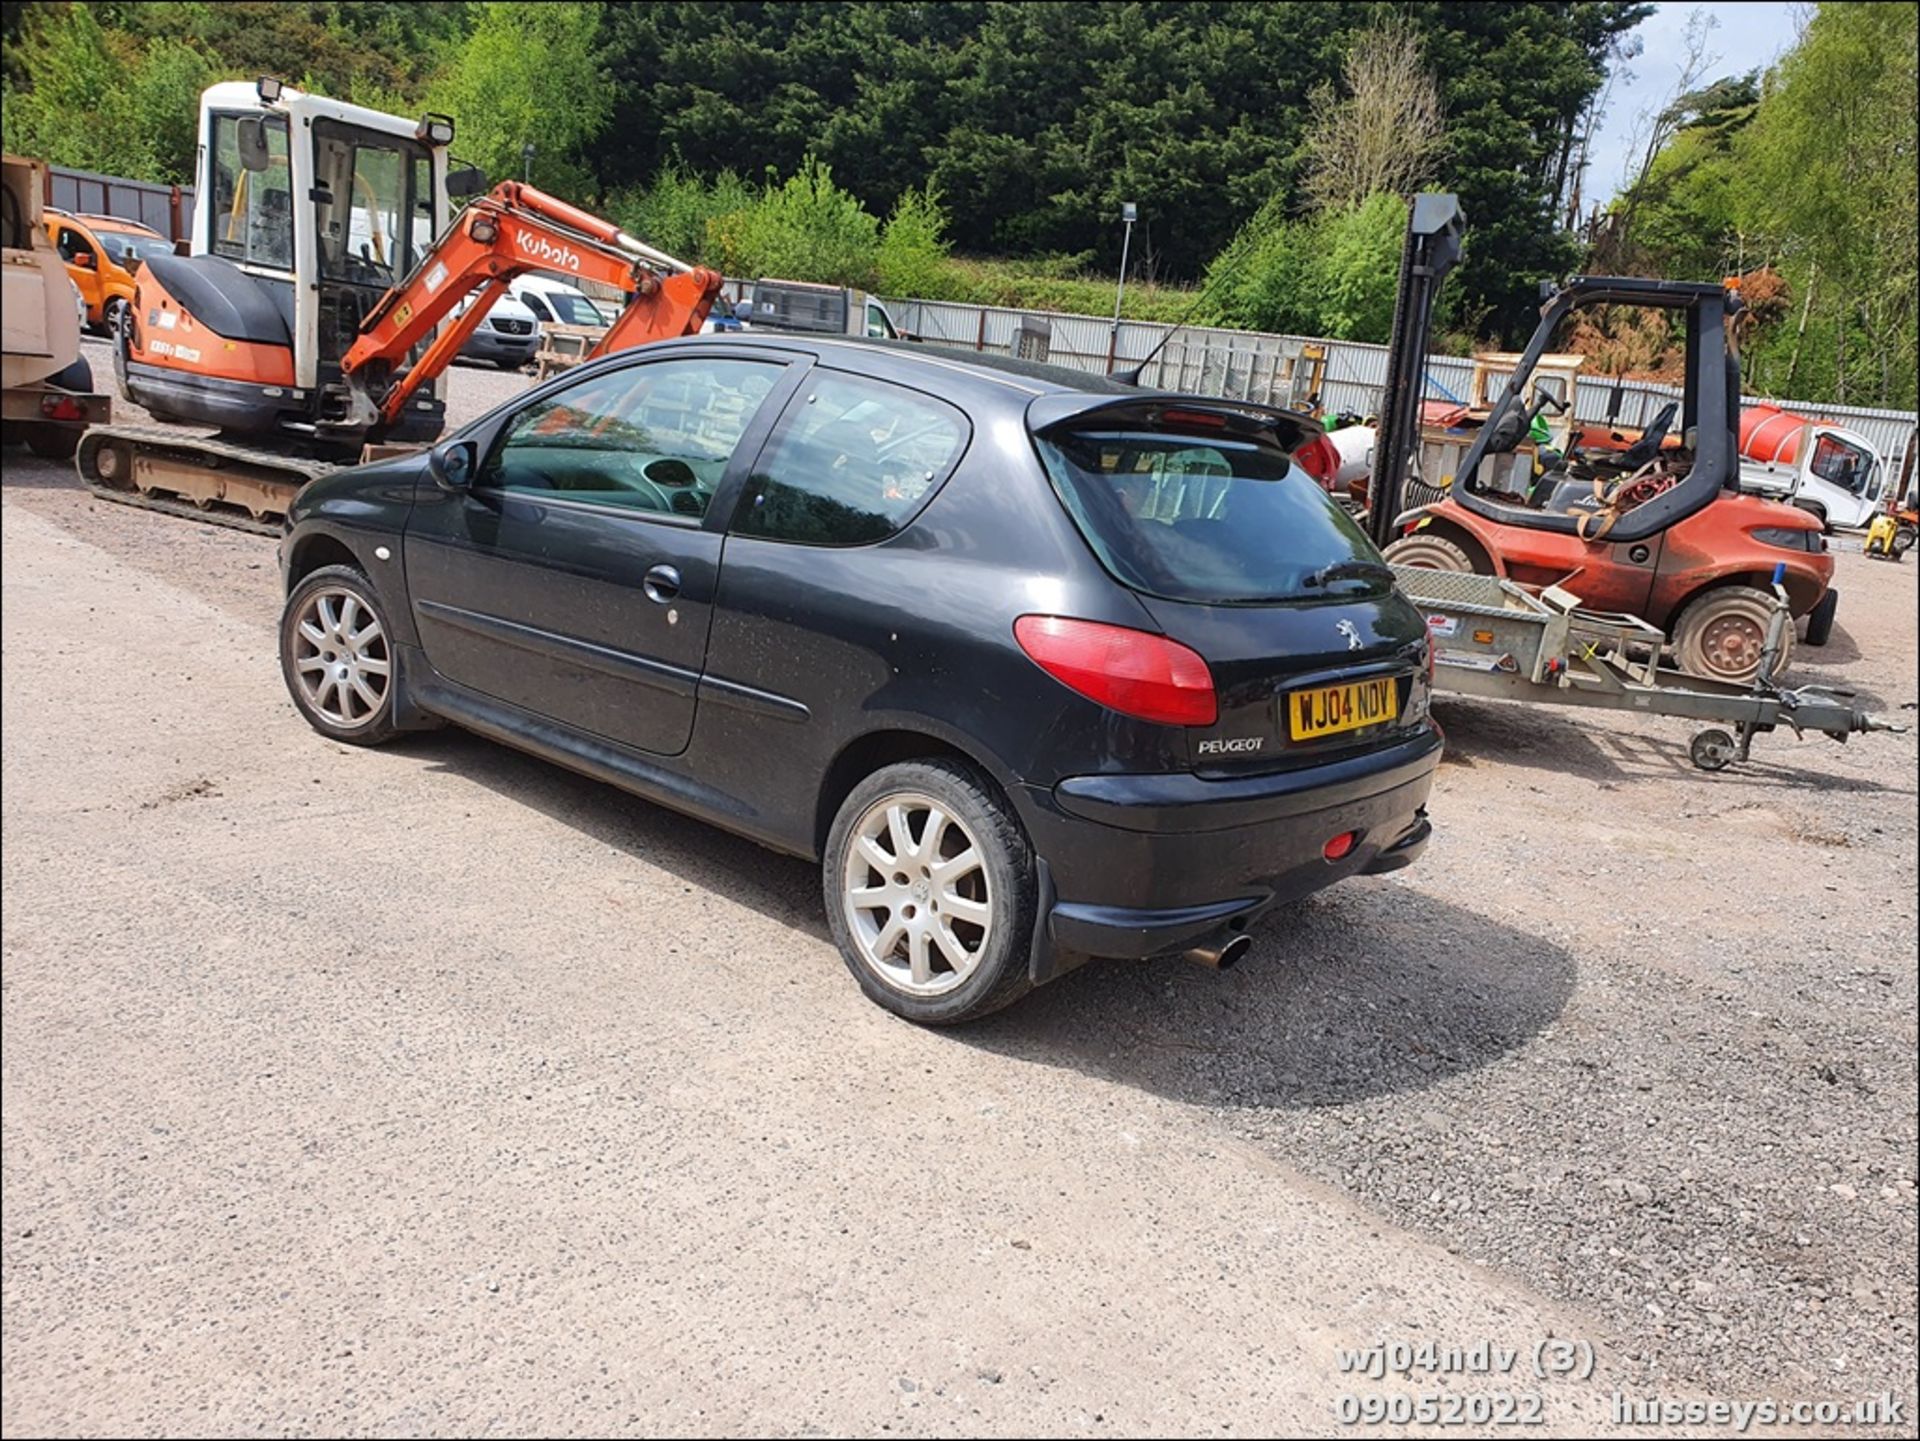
[323, 294]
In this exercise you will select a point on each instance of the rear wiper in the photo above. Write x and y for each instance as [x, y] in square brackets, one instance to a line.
[1350, 570]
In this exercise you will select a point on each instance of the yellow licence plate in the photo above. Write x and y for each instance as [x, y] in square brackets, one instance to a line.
[1329, 709]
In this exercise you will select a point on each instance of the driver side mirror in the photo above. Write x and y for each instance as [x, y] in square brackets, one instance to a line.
[250, 135]
[468, 180]
[84, 259]
[452, 464]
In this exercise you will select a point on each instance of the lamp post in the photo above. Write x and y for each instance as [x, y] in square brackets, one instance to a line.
[1129, 213]
[526, 156]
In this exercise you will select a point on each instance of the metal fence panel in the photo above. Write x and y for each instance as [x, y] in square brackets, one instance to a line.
[1243, 365]
[153, 206]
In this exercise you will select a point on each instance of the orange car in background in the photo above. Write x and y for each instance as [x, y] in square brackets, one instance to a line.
[103, 253]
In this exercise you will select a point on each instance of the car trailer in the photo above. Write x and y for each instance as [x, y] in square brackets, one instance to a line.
[1493, 639]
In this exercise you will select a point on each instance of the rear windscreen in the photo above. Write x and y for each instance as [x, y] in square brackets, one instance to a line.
[1204, 518]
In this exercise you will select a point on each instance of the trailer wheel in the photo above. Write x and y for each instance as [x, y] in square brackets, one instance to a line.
[1721, 634]
[1429, 552]
[1820, 618]
[1712, 750]
[1903, 539]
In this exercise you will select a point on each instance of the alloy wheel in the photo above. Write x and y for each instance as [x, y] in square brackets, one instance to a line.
[341, 659]
[916, 895]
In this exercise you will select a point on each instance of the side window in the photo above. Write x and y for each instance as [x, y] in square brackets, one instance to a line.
[654, 437]
[73, 243]
[878, 327]
[251, 217]
[854, 461]
[1840, 463]
[536, 305]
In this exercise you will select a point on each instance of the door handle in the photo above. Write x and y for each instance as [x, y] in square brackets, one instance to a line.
[662, 584]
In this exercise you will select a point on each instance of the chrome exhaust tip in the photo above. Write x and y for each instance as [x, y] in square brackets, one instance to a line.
[1221, 955]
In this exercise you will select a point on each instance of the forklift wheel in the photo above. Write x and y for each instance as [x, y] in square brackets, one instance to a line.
[1712, 750]
[1820, 618]
[1428, 552]
[1720, 635]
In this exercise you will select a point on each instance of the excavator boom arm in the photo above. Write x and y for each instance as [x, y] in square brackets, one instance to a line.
[509, 232]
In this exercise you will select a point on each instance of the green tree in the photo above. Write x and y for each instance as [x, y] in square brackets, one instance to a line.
[100, 100]
[1830, 180]
[529, 74]
[1810, 173]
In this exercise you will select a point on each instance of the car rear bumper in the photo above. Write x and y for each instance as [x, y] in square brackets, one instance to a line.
[1146, 865]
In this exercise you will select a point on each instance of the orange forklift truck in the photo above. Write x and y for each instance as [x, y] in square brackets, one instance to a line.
[1496, 638]
[1649, 525]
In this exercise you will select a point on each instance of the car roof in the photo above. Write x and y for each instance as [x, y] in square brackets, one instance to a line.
[935, 364]
[534, 281]
[112, 222]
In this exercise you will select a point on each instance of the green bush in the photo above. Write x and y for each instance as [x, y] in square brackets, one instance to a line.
[673, 212]
[1331, 275]
[912, 259]
[804, 229]
[1359, 268]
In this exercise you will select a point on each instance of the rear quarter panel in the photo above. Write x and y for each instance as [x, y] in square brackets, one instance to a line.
[913, 634]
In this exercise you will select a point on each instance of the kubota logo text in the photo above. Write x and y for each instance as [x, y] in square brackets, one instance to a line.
[546, 252]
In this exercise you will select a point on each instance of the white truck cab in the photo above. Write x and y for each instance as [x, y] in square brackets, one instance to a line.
[1832, 473]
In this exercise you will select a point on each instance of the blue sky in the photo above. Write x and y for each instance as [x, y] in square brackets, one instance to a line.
[1748, 36]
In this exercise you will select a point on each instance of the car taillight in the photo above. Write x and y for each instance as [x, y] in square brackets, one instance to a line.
[1134, 672]
[63, 407]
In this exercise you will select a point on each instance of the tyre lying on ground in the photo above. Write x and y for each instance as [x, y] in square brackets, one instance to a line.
[1036, 666]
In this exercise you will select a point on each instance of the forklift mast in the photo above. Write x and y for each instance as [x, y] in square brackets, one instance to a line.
[1435, 227]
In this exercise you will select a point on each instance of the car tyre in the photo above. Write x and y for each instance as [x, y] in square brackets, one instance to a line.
[1721, 634]
[337, 656]
[907, 840]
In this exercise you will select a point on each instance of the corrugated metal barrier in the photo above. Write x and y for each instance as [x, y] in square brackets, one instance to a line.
[165, 208]
[1242, 365]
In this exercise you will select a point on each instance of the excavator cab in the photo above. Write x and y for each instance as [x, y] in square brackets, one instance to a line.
[311, 210]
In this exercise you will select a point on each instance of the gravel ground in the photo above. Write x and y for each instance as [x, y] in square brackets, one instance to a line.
[1632, 1040]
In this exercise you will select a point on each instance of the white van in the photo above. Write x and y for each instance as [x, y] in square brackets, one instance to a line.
[555, 302]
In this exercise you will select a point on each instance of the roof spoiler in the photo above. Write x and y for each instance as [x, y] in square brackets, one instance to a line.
[1153, 406]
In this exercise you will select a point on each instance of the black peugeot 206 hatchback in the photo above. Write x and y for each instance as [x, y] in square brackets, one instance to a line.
[1038, 666]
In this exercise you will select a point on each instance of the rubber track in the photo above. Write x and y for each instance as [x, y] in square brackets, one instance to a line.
[299, 471]
[186, 509]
